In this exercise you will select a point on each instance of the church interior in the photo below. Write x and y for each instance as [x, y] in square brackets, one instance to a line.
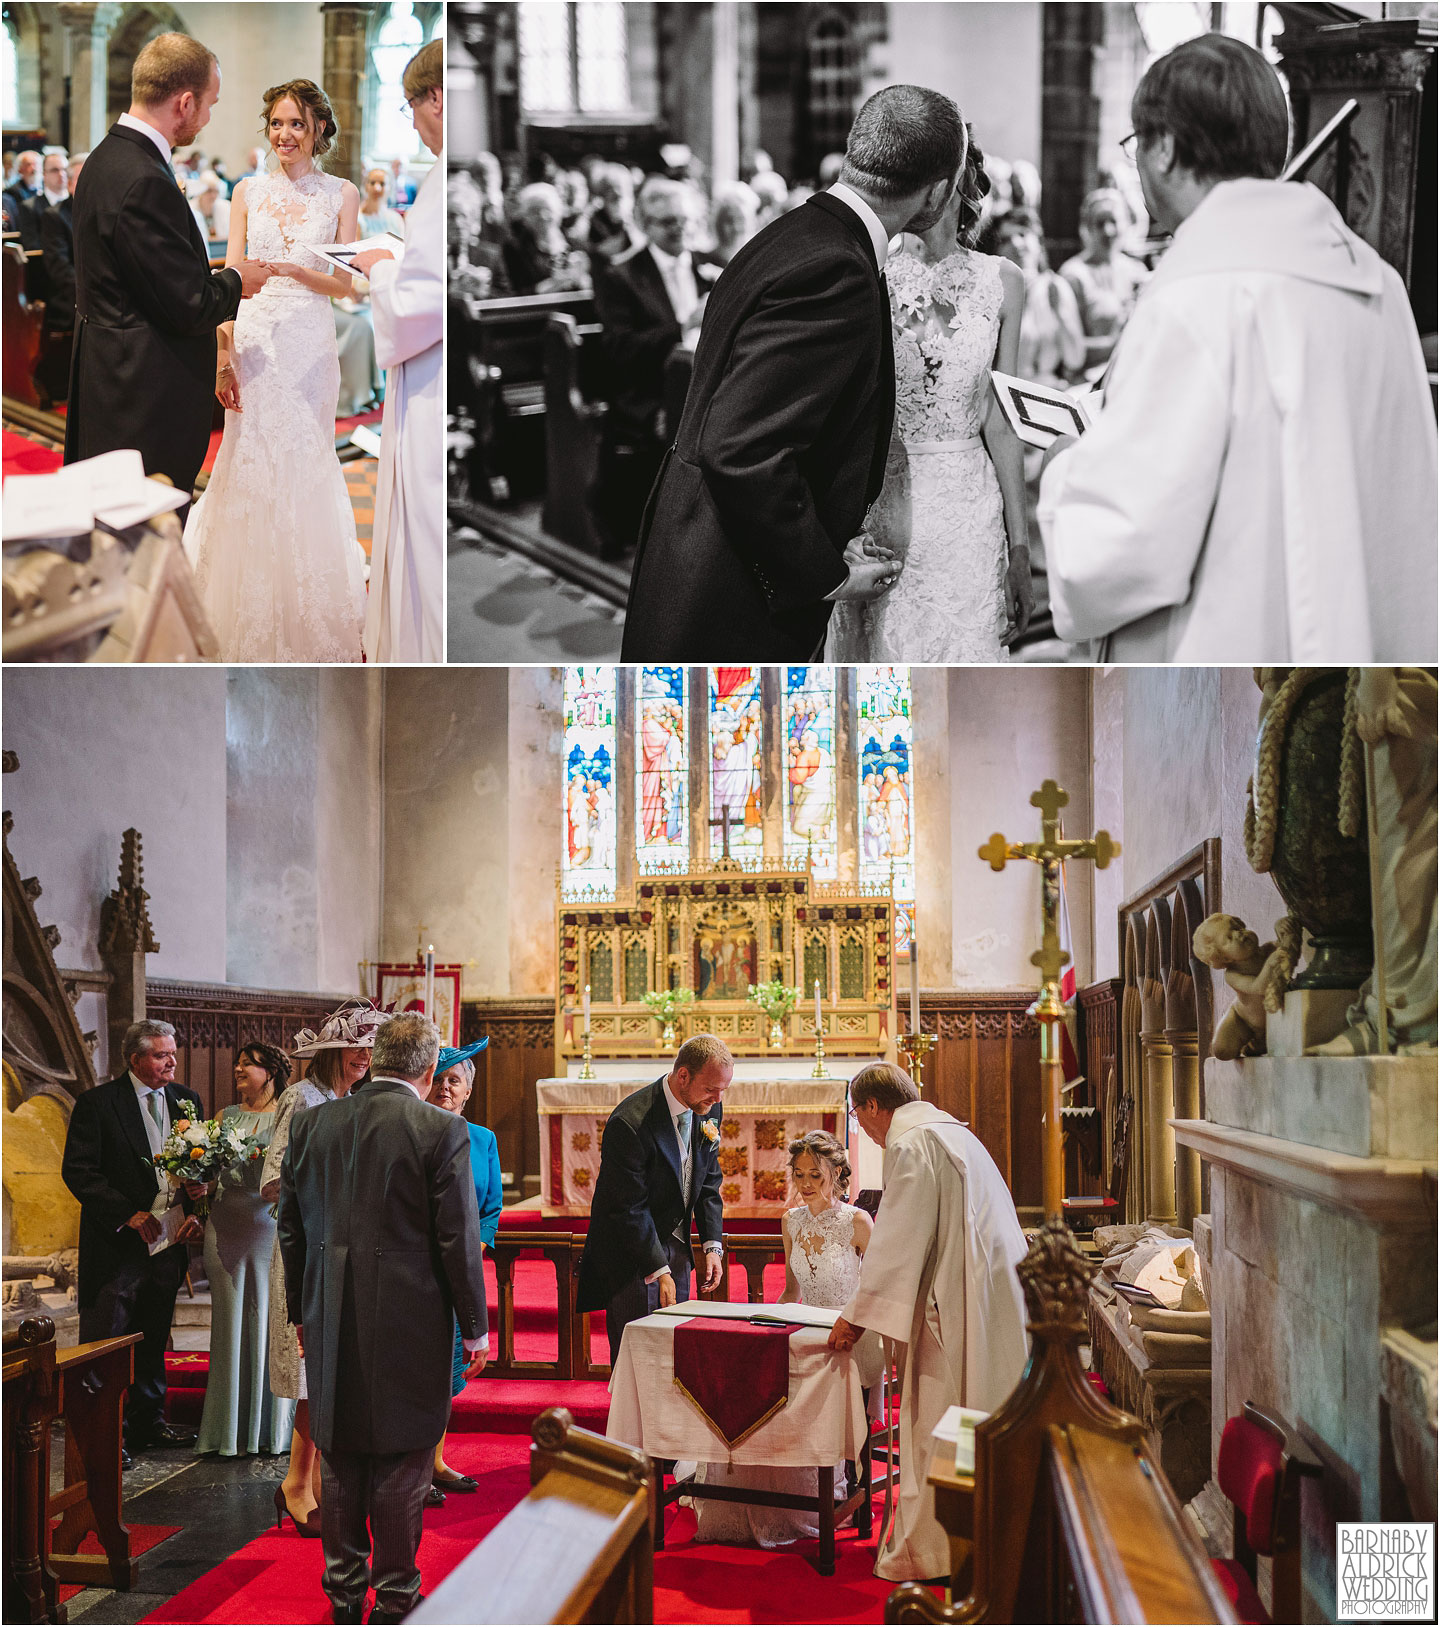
[1001, 879]
[66, 79]
[564, 119]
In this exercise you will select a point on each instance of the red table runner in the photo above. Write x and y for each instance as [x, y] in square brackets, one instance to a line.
[735, 1374]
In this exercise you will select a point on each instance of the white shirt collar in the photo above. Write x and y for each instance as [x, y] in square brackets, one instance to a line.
[395, 1079]
[868, 219]
[141, 1088]
[669, 262]
[55, 199]
[161, 145]
[672, 1101]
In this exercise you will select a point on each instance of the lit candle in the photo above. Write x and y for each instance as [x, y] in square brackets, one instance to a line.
[914, 986]
[818, 1023]
[430, 982]
[587, 1008]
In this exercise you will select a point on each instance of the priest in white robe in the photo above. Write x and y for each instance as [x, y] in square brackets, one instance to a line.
[405, 618]
[1259, 485]
[939, 1277]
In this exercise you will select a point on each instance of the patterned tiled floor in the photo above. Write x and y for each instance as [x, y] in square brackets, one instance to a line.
[360, 480]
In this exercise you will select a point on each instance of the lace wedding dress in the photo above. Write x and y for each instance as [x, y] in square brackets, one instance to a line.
[272, 539]
[826, 1267]
[940, 506]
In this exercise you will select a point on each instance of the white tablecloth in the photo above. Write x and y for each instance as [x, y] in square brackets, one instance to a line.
[823, 1422]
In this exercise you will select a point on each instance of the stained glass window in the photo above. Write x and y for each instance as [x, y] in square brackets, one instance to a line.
[545, 56]
[736, 759]
[574, 58]
[601, 56]
[589, 780]
[662, 767]
[401, 36]
[809, 756]
[884, 752]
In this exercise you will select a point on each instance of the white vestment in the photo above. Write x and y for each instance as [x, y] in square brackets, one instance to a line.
[405, 621]
[939, 1277]
[1260, 483]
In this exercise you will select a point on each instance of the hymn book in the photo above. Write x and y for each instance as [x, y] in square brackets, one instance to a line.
[1038, 413]
[339, 255]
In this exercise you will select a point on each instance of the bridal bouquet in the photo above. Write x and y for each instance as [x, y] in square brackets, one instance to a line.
[202, 1150]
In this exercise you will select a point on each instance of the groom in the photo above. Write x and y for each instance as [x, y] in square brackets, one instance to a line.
[146, 302]
[752, 525]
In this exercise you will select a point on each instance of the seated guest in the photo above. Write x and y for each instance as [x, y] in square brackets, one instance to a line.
[485, 172]
[574, 199]
[538, 257]
[477, 267]
[1260, 484]
[24, 185]
[1052, 340]
[454, 1080]
[1104, 278]
[830, 166]
[57, 239]
[732, 219]
[242, 1415]
[254, 164]
[210, 206]
[608, 229]
[376, 215]
[770, 188]
[53, 191]
[402, 184]
[124, 1198]
[646, 302]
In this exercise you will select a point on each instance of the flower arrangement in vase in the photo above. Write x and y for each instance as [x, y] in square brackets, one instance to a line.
[777, 1000]
[665, 1005]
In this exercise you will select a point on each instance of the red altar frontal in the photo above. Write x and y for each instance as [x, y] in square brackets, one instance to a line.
[762, 1117]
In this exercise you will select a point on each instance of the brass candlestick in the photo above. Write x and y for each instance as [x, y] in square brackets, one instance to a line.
[916, 1048]
[586, 1070]
[818, 1071]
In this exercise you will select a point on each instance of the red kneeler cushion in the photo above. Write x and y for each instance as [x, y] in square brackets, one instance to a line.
[1240, 1590]
[1249, 1473]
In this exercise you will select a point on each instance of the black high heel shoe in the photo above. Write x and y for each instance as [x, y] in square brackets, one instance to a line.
[311, 1524]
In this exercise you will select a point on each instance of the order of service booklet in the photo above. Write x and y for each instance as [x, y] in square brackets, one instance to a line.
[1039, 413]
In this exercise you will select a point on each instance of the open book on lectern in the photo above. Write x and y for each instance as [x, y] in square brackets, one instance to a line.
[1038, 413]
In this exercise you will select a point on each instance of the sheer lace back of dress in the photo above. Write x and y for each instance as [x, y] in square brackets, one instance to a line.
[946, 322]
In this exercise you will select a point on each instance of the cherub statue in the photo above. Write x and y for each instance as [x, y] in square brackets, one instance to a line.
[1256, 971]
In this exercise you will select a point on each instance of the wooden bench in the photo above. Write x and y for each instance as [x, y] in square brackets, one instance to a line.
[577, 1549]
[574, 419]
[31, 1402]
[20, 325]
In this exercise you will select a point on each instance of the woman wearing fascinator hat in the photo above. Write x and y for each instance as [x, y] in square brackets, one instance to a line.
[454, 1080]
[339, 1057]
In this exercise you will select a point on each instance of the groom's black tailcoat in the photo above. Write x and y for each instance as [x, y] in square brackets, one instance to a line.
[146, 309]
[639, 1200]
[781, 449]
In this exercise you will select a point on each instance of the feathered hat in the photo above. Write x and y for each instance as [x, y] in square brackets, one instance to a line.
[349, 1027]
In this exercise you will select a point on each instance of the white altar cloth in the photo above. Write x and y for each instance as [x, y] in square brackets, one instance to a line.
[823, 1421]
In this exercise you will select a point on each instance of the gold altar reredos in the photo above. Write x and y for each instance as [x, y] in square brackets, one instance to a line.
[716, 928]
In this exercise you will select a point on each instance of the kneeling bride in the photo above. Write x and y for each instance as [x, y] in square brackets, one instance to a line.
[824, 1238]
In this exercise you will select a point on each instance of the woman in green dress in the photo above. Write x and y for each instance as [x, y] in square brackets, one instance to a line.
[242, 1415]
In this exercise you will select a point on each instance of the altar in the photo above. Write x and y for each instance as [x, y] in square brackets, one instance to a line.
[764, 1112]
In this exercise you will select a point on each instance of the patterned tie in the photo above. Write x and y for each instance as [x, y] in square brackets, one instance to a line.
[682, 1124]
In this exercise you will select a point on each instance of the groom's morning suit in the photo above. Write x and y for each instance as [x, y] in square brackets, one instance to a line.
[640, 1215]
[146, 309]
[108, 1164]
[380, 1239]
[781, 449]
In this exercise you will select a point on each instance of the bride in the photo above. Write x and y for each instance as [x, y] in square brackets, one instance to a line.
[273, 539]
[953, 504]
[824, 1238]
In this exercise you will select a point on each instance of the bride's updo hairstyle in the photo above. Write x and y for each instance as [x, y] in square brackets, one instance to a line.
[824, 1149]
[974, 189]
[313, 103]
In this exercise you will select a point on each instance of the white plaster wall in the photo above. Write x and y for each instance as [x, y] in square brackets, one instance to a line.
[934, 857]
[259, 44]
[1010, 729]
[102, 749]
[348, 815]
[535, 822]
[447, 821]
[987, 56]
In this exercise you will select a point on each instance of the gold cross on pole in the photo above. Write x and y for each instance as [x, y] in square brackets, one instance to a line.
[1050, 852]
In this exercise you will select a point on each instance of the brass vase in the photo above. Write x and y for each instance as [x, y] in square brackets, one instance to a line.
[777, 1035]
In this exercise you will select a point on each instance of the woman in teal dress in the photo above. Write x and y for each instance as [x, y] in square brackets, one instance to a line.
[242, 1415]
[454, 1080]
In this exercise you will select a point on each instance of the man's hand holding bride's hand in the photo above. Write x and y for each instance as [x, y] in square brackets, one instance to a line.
[1019, 594]
[254, 274]
[368, 258]
[873, 570]
[843, 1335]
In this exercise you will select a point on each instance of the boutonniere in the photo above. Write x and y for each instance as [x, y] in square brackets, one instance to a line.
[707, 273]
[710, 1130]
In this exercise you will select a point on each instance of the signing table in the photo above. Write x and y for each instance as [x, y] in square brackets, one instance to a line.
[813, 1416]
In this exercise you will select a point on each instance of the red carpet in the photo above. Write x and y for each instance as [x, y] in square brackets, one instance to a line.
[508, 1406]
[276, 1578]
[142, 1539]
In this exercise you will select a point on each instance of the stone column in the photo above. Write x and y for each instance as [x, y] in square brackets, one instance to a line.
[725, 93]
[1185, 1066]
[87, 41]
[346, 26]
[469, 59]
[126, 937]
[1159, 1137]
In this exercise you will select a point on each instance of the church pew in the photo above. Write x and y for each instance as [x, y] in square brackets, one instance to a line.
[573, 418]
[508, 336]
[20, 324]
[30, 1400]
[577, 1549]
